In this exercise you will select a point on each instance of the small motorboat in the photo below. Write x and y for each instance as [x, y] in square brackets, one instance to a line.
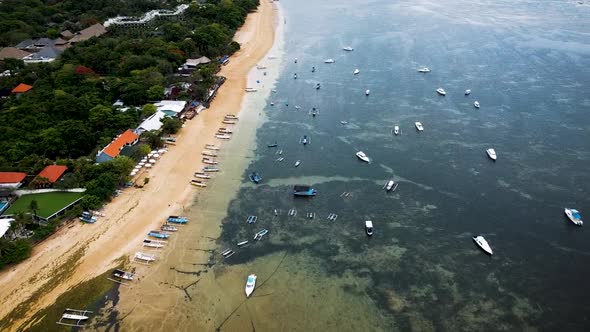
[318, 86]
[209, 169]
[295, 76]
[304, 140]
[348, 48]
[211, 147]
[419, 126]
[362, 156]
[202, 175]
[260, 234]
[492, 154]
[209, 161]
[424, 70]
[169, 228]
[329, 61]
[254, 177]
[344, 123]
[441, 91]
[476, 104]
[242, 243]
[574, 216]
[250, 284]
[467, 92]
[369, 227]
[367, 92]
[391, 185]
[273, 145]
[297, 163]
[199, 183]
[483, 244]
[153, 243]
[356, 72]
[144, 257]
[396, 130]
[251, 90]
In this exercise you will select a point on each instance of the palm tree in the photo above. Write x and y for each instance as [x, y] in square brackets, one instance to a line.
[34, 206]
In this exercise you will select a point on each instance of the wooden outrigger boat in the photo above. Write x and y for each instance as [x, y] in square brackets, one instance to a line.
[229, 121]
[169, 228]
[199, 183]
[209, 153]
[202, 175]
[120, 277]
[211, 147]
[178, 219]
[210, 169]
[156, 244]
[224, 130]
[222, 136]
[209, 161]
[144, 258]
[158, 234]
[77, 316]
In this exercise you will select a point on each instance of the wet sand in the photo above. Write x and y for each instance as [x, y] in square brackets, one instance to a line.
[131, 215]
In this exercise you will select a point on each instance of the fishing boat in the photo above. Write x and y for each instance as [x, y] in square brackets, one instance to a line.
[292, 213]
[229, 121]
[369, 227]
[304, 140]
[227, 252]
[391, 185]
[199, 183]
[120, 274]
[153, 243]
[210, 169]
[297, 163]
[158, 234]
[209, 161]
[329, 61]
[254, 177]
[396, 130]
[318, 86]
[260, 234]
[169, 228]
[441, 91]
[362, 156]
[280, 159]
[419, 126]
[476, 104]
[231, 117]
[211, 147]
[250, 284]
[303, 190]
[209, 153]
[252, 219]
[295, 76]
[310, 215]
[273, 145]
[202, 175]
[492, 154]
[574, 216]
[242, 243]
[424, 70]
[483, 244]
[344, 123]
[348, 48]
[332, 217]
[467, 92]
[144, 257]
[178, 219]
[251, 90]
[356, 72]
[224, 131]
[222, 136]
[367, 92]
[73, 317]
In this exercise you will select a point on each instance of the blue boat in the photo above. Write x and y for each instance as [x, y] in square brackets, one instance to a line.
[87, 217]
[301, 190]
[158, 234]
[177, 220]
[254, 177]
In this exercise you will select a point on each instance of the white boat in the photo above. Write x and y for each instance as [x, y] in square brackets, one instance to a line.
[260, 67]
[467, 92]
[367, 92]
[441, 91]
[242, 243]
[209, 153]
[329, 61]
[211, 147]
[231, 116]
[250, 284]
[258, 236]
[476, 104]
[344, 122]
[198, 183]
[224, 130]
[356, 72]
[202, 175]
[153, 243]
[74, 317]
[251, 90]
[348, 48]
[419, 126]
[222, 136]
[396, 130]
[483, 244]
[123, 275]
[297, 163]
[295, 76]
[369, 227]
[229, 121]
[492, 154]
[391, 185]
[144, 257]
[362, 156]
[209, 161]
[574, 216]
[424, 70]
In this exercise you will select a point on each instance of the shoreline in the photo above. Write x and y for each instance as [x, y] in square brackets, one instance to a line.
[136, 211]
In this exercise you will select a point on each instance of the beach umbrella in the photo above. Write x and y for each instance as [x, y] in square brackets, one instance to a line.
[162, 150]
[148, 165]
[152, 161]
[156, 155]
[137, 167]
[154, 151]
[133, 174]
[150, 154]
[141, 163]
[144, 159]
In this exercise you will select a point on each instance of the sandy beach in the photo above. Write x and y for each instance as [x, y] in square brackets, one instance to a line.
[86, 251]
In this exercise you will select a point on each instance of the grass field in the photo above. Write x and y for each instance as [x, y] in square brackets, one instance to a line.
[48, 203]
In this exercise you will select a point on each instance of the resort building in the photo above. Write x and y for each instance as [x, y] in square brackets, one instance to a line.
[49, 175]
[146, 19]
[12, 179]
[13, 53]
[153, 122]
[21, 88]
[171, 107]
[112, 150]
[92, 31]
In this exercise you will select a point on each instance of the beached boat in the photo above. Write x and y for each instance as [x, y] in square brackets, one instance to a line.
[419, 126]
[254, 177]
[362, 156]
[120, 274]
[158, 234]
[297, 163]
[441, 91]
[211, 147]
[144, 257]
[260, 234]
[348, 48]
[209, 161]
[467, 92]
[231, 117]
[476, 104]
[210, 169]
[396, 130]
[250, 284]
[483, 244]
[369, 227]
[251, 90]
[229, 121]
[178, 218]
[222, 136]
[492, 154]
[329, 61]
[74, 317]
[391, 185]
[242, 243]
[202, 175]
[356, 72]
[209, 153]
[224, 131]
[199, 183]
[87, 217]
[424, 70]
[169, 228]
[153, 243]
[574, 216]
[303, 190]
[367, 92]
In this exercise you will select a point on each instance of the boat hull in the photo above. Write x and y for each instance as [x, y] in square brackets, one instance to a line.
[570, 215]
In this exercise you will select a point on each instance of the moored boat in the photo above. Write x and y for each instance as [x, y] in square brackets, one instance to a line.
[242, 243]
[222, 136]
[574, 216]
[362, 156]
[209, 161]
[258, 236]
[483, 244]
[297, 163]
[396, 130]
[391, 185]
[492, 154]
[424, 70]
[367, 92]
[369, 227]
[254, 177]
[476, 104]
[348, 48]
[211, 147]
[467, 92]
[199, 183]
[303, 190]
[419, 126]
[251, 90]
[273, 145]
[356, 72]
[441, 91]
[229, 121]
[250, 284]
[329, 61]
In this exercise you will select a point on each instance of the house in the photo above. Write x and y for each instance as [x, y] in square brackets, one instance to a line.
[194, 63]
[67, 34]
[46, 54]
[26, 44]
[92, 31]
[49, 175]
[112, 150]
[21, 88]
[12, 53]
[12, 179]
[170, 107]
[153, 122]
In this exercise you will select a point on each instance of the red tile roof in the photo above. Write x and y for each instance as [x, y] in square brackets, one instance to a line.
[12, 177]
[22, 88]
[52, 172]
[114, 148]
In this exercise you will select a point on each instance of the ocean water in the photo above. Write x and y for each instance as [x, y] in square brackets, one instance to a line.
[528, 64]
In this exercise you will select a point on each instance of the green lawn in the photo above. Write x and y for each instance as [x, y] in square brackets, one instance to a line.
[48, 203]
